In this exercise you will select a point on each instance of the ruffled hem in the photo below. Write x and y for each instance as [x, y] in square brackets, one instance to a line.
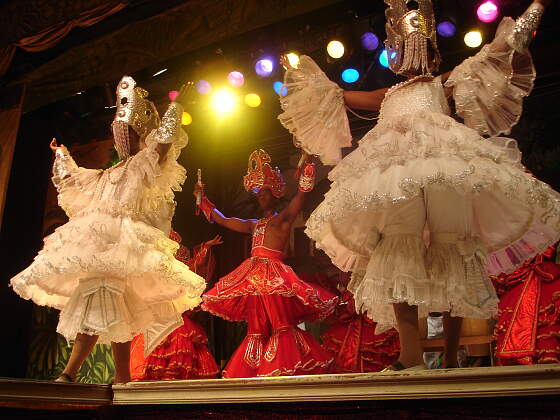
[401, 157]
[288, 351]
[263, 276]
[109, 247]
[314, 112]
[489, 88]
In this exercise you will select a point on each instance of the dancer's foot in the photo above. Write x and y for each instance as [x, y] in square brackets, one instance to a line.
[65, 377]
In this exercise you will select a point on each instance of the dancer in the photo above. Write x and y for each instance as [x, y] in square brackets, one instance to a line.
[528, 327]
[183, 354]
[353, 340]
[418, 168]
[111, 267]
[265, 292]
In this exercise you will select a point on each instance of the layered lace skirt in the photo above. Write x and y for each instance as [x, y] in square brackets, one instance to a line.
[425, 209]
[111, 276]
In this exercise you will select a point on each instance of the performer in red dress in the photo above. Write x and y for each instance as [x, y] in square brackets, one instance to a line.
[528, 328]
[183, 354]
[353, 341]
[265, 292]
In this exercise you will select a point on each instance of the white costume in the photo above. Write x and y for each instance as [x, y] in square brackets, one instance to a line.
[419, 170]
[111, 268]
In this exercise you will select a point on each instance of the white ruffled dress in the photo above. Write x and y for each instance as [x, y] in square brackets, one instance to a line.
[417, 149]
[111, 268]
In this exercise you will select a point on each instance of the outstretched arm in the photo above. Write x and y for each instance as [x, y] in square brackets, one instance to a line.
[369, 101]
[306, 184]
[214, 215]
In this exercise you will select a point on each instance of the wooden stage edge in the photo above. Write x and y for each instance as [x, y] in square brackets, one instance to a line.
[430, 384]
[441, 383]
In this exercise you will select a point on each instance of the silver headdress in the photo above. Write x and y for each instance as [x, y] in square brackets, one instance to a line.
[133, 110]
[410, 25]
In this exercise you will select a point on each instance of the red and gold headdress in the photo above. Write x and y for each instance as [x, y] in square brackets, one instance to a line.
[261, 175]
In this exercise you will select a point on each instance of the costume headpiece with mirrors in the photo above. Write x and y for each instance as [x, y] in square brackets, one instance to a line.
[411, 37]
[133, 110]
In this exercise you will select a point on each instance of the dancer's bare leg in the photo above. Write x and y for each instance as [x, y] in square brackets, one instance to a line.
[451, 330]
[121, 354]
[409, 335]
[83, 345]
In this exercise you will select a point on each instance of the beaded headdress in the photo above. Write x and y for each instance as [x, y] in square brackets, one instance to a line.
[410, 25]
[133, 110]
[261, 175]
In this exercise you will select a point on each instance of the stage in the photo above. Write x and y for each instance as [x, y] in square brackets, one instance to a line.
[522, 391]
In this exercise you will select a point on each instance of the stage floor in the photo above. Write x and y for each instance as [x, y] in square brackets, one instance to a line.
[537, 380]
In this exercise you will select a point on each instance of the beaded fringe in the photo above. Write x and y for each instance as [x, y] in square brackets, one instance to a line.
[415, 57]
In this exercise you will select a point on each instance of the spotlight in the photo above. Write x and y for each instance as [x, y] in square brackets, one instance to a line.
[203, 87]
[223, 101]
[264, 67]
[279, 88]
[252, 100]
[350, 75]
[473, 39]
[370, 41]
[186, 118]
[487, 11]
[293, 59]
[157, 73]
[335, 49]
[236, 79]
[172, 95]
[446, 29]
[384, 59]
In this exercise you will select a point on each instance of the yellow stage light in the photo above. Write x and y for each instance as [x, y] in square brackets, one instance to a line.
[186, 118]
[293, 59]
[224, 101]
[253, 100]
[335, 49]
[473, 39]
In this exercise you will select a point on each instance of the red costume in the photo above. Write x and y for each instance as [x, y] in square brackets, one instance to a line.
[267, 294]
[528, 328]
[183, 354]
[353, 341]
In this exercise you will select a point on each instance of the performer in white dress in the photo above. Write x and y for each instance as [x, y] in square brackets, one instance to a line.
[419, 171]
[111, 268]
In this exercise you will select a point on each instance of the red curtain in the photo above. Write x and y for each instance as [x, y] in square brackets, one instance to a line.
[52, 35]
[10, 113]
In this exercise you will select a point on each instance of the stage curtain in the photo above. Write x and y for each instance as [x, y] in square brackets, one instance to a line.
[50, 36]
[11, 101]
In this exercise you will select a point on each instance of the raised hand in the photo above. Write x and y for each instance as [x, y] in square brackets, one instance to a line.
[284, 62]
[217, 240]
[198, 189]
[54, 146]
[185, 94]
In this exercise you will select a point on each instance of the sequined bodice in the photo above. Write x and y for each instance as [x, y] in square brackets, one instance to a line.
[414, 98]
[259, 232]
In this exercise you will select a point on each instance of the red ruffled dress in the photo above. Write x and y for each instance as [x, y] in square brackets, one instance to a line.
[528, 328]
[184, 353]
[354, 343]
[273, 300]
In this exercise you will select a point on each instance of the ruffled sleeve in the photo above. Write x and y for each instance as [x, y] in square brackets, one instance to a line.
[165, 172]
[75, 185]
[314, 112]
[489, 88]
